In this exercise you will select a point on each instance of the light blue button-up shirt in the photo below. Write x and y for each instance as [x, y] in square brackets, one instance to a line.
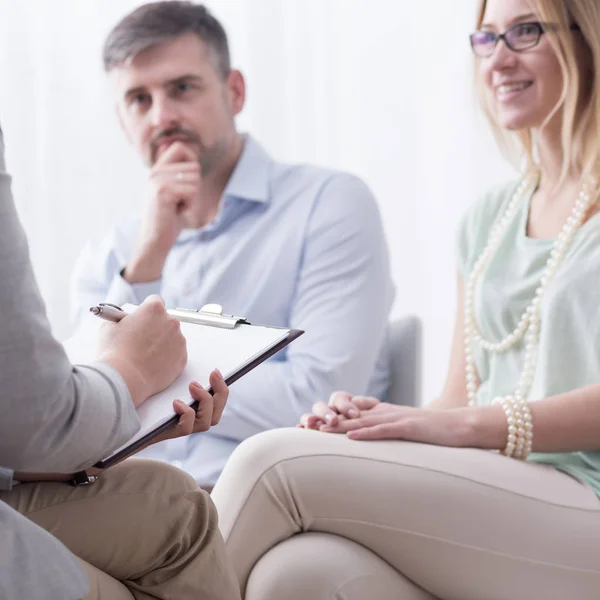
[291, 246]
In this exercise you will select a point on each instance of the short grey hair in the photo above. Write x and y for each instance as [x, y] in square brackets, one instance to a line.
[159, 22]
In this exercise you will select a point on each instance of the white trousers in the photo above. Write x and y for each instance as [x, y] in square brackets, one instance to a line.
[308, 515]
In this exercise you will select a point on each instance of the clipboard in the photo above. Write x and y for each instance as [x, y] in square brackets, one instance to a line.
[212, 337]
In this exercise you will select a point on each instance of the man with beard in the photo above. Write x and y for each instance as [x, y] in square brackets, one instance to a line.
[287, 245]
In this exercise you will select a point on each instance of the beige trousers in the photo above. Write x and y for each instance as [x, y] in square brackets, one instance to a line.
[143, 530]
[309, 515]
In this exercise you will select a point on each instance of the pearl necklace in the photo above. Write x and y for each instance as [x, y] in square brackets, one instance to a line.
[528, 326]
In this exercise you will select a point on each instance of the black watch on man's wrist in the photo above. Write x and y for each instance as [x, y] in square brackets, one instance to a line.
[82, 478]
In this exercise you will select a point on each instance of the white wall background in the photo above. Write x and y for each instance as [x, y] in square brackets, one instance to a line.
[381, 88]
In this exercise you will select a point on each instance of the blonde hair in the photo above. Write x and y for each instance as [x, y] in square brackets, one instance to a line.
[580, 134]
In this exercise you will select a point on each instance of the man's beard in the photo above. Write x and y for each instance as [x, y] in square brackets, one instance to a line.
[207, 157]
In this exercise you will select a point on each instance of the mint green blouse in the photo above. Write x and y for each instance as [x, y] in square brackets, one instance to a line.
[569, 345]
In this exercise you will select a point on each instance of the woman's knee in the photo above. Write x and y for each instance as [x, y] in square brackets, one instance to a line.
[269, 446]
[260, 453]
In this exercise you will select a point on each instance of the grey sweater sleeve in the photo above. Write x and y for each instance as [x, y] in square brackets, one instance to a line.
[55, 417]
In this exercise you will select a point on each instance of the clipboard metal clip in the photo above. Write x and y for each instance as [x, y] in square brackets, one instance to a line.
[209, 314]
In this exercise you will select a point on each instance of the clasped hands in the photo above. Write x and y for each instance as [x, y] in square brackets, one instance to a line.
[367, 418]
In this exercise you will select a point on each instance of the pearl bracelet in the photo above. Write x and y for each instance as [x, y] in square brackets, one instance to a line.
[525, 429]
[511, 423]
[519, 440]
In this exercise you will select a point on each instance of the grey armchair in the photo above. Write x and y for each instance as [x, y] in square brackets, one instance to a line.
[405, 342]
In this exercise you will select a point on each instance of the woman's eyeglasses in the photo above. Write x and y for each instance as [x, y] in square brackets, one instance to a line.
[519, 37]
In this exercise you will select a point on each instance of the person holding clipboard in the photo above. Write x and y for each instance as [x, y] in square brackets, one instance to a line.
[144, 529]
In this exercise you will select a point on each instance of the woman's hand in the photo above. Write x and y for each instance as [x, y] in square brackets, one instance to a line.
[341, 406]
[366, 418]
[450, 427]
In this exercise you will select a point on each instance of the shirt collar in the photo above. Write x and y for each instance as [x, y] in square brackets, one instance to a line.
[248, 182]
[250, 177]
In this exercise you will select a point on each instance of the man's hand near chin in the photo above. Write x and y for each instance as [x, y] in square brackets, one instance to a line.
[174, 190]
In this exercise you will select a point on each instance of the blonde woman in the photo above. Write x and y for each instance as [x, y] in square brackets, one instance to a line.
[491, 492]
